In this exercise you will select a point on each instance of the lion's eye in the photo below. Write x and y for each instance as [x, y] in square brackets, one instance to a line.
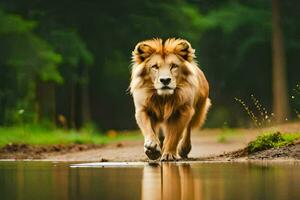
[155, 67]
[174, 66]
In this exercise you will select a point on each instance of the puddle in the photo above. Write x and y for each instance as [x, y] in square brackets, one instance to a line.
[109, 164]
[139, 180]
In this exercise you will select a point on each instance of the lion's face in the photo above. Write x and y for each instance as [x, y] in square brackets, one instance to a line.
[164, 73]
[161, 66]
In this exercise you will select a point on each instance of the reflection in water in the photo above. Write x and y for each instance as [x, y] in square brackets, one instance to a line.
[221, 181]
[224, 181]
[169, 181]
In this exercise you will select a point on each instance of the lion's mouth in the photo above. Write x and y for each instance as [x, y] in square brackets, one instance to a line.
[166, 88]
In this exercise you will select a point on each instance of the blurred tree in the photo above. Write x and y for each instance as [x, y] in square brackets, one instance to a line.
[94, 40]
[280, 93]
[26, 59]
[234, 49]
[243, 50]
[74, 69]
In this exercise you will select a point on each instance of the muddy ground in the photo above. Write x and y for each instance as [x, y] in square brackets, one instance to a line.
[206, 146]
[289, 152]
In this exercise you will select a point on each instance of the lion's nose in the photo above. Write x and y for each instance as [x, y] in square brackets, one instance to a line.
[165, 81]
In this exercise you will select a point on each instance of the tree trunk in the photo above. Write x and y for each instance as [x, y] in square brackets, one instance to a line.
[2, 109]
[45, 94]
[72, 105]
[85, 99]
[280, 95]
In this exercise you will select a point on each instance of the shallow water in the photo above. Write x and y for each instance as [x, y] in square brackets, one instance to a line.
[47, 180]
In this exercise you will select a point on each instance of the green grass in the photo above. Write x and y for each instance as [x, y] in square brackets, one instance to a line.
[41, 136]
[271, 140]
[226, 134]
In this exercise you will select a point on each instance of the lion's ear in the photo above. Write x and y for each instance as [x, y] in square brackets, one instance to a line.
[185, 50]
[141, 52]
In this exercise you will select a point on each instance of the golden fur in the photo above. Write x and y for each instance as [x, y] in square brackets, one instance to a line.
[170, 92]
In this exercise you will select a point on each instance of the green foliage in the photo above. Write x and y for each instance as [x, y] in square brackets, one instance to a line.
[25, 51]
[89, 128]
[235, 15]
[69, 44]
[32, 56]
[25, 58]
[32, 134]
[272, 140]
[87, 46]
[226, 134]
[12, 23]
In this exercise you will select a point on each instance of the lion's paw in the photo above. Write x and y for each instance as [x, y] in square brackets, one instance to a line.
[152, 149]
[168, 157]
[184, 149]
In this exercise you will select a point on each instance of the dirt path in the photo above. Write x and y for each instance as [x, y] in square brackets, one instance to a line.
[133, 151]
[205, 143]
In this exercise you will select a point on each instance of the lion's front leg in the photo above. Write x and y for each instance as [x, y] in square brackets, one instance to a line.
[184, 146]
[151, 143]
[174, 129]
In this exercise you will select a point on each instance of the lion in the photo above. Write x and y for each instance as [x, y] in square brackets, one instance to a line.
[170, 95]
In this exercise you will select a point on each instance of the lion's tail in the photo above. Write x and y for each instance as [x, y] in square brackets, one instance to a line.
[201, 110]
